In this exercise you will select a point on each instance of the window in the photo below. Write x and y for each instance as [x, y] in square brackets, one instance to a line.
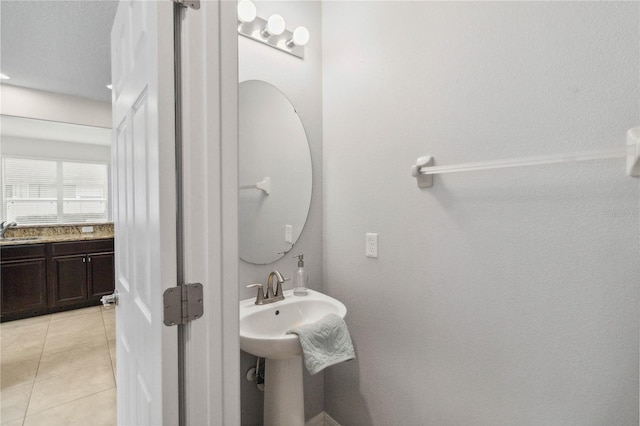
[36, 191]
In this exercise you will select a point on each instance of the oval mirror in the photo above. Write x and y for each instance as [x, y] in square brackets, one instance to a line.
[274, 173]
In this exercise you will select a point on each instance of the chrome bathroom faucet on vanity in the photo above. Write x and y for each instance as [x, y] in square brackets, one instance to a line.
[4, 226]
[271, 296]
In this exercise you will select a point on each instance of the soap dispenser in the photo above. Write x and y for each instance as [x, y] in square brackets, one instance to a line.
[300, 278]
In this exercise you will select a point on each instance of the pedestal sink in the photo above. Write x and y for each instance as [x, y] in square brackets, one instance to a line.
[263, 331]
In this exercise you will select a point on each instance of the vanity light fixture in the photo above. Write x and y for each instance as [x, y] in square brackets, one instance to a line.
[4, 77]
[246, 11]
[272, 31]
[275, 26]
[300, 37]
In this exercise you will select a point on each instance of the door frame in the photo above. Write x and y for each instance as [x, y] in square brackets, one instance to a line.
[210, 210]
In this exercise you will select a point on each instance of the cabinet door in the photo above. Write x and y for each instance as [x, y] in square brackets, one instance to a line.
[69, 279]
[101, 276]
[24, 286]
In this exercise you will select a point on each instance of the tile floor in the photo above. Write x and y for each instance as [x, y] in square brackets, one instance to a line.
[59, 369]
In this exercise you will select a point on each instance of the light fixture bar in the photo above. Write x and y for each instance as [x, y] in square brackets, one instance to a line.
[254, 31]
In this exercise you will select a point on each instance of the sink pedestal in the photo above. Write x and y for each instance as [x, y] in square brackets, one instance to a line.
[283, 392]
[264, 333]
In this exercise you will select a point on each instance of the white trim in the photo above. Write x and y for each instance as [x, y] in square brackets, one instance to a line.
[164, 100]
[330, 421]
[210, 182]
[322, 419]
[316, 421]
[228, 56]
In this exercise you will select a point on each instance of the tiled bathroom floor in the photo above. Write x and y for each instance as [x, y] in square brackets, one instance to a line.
[59, 369]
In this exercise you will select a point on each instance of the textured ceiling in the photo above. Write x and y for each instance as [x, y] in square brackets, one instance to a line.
[58, 46]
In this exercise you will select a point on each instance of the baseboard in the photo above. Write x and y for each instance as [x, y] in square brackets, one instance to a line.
[329, 421]
[316, 421]
[322, 419]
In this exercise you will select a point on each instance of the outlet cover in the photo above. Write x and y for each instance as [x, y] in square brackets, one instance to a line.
[371, 245]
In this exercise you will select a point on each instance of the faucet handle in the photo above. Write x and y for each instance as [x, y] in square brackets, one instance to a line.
[260, 296]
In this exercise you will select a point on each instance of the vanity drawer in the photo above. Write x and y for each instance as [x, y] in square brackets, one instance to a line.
[81, 247]
[26, 251]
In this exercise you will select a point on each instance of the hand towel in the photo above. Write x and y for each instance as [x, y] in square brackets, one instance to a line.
[324, 343]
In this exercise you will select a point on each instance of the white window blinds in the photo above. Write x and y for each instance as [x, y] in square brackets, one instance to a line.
[37, 191]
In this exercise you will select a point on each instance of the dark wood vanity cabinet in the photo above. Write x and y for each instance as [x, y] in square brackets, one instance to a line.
[52, 277]
[69, 278]
[100, 275]
[80, 273]
[23, 281]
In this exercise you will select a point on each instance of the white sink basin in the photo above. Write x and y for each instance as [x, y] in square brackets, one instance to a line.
[263, 328]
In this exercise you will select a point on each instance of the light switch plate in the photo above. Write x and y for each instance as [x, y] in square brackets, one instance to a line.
[288, 234]
[87, 229]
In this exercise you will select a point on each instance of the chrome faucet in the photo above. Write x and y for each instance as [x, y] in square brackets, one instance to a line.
[271, 296]
[277, 295]
[4, 226]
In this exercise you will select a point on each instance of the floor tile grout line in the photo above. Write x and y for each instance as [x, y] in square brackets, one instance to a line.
[66, 372]
[109, 347]
[71, 333]
[48, 323]
[104, 367]
[94, 312]
[33, 384]
[57, 375]
[79, 317]
[68, 402]
[67, 335]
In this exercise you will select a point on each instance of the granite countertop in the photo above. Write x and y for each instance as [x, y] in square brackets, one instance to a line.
[14, 241]
[54, 234]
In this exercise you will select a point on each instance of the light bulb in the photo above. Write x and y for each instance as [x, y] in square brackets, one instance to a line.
[275, 26]
[246, 11]
[300, 37]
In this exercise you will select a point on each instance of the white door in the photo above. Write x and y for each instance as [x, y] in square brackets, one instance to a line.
[144, 210]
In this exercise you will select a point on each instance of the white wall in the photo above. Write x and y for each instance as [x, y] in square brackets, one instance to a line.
[504, 297]
[24, 102]
[301, 81]
[40, 105]
[23, 147]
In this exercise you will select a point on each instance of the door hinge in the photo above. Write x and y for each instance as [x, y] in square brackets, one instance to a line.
[182, 304]
[193, 4]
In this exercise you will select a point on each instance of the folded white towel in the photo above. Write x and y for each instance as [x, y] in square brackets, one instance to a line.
[324, 343]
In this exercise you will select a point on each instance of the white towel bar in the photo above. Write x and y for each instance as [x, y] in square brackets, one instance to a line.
[264, 185]
[424, 170]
